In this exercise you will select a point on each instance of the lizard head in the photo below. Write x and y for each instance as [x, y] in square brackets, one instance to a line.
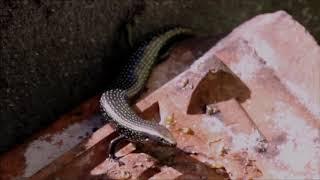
[162, 136]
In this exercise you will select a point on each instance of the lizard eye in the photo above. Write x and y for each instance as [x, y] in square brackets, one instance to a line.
[163, 141]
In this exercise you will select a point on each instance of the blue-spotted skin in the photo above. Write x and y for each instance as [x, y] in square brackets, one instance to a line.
[131, 80]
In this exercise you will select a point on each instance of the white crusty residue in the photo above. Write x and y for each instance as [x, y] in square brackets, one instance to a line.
[45, 149]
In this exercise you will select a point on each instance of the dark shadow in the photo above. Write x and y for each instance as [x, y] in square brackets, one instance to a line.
[189, 167]
[121, 45]
[217, 87]
[151, 113]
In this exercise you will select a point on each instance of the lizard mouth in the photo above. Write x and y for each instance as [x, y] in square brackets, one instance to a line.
[171, 144]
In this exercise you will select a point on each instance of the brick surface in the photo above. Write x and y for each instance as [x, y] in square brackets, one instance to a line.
[213, 135]
[136, 166]
[81, 159]
[278, 101]
[276, 58]
[44, 147]
[166, 173]
[245, 109]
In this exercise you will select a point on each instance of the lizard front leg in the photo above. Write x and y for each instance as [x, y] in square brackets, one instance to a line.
[112, 148]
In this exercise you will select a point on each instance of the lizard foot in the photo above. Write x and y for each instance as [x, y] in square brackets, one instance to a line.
[117, 160]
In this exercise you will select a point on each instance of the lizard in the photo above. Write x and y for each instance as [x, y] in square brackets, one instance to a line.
[114, 101]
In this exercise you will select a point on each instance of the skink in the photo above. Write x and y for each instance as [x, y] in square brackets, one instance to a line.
[114, 101]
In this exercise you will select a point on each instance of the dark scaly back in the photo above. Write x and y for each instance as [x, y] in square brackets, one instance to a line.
[130, 81]
[134, 74]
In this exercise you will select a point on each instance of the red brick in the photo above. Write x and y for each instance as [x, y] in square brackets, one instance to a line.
[81, 159]
[166, 173]
[37, 152]
[135, 166]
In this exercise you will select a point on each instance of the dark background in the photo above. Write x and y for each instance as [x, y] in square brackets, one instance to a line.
[57, 53]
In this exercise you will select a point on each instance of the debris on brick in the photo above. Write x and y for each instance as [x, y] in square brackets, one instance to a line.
[188, 131]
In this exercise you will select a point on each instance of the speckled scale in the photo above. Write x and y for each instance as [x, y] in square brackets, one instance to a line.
[129, 82]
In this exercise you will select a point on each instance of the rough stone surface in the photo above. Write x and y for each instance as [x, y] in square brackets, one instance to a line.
[55, 54]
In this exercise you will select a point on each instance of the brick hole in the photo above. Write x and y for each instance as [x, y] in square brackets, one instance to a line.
[217, 87]
[151, 113]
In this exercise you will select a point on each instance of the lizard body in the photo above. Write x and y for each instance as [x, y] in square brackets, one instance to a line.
[114, 101]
